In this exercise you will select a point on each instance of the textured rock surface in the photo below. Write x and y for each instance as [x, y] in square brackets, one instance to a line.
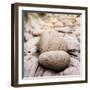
[72, 71]
[51, 41]
[67, 25]
[56, 60]
[72, 42]
[74, 62]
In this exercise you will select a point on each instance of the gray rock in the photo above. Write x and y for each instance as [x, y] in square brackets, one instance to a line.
[51, 41]
[56, 60]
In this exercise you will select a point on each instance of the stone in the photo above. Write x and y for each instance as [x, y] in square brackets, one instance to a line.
[71, 71]
[72, 42]
[27, 36]
[51, 41]
[55, 60]
[58, 23]
[74, 62]
[64, 29]
[30, 66]
[37, 32]
[30, 47]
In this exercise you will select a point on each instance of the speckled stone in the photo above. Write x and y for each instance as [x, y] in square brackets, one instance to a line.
[55, 60]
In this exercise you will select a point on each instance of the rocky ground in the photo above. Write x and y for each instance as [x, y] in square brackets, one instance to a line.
[68, 27]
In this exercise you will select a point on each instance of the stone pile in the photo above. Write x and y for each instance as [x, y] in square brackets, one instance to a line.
[51, 44]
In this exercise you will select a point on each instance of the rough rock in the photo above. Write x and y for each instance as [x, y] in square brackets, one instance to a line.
[74, 62]
[72, 42]
[31, 46]
[72, 71]
[31, 64]
[56, 60]
[51, 41]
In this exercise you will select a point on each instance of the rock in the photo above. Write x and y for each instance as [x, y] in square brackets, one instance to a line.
[48, 24]
[49, 73]
[27, 36]
[74, 53]
[77, 33]
[72, 42]
[72, 71]
[68, 23]
[30, 66]
[74, 62]
[39, 72]
[58, 24]
[77, 21]
[64, 29]
[55, 60]
[51, 41]
[30, 47]
[37, 32]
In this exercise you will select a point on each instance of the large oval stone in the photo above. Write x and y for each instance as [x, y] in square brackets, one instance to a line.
[55, 60]
[51, 41]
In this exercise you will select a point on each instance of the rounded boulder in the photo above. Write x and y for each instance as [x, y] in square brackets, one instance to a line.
[51, 41]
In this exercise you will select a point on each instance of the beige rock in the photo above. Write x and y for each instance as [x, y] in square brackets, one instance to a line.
[55, 60]
[37, 32]
[30, 66]
[48, 24]
[77, 33]
[77, 21]
[54, 20]
[58, 23]
[68, 23]
[51, 41]
[64, 29]
[71, 18]
[71, 71]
